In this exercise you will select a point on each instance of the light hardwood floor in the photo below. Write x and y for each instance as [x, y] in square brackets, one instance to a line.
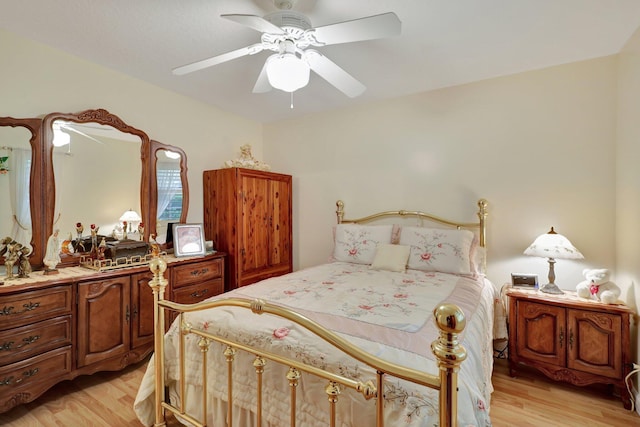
[106, 399]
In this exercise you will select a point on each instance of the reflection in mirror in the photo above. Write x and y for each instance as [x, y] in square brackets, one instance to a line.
[97, 174]
[169, 188]
[15, 173]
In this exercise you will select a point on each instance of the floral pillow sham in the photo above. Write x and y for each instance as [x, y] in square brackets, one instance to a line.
[358, 243]
[434, 249]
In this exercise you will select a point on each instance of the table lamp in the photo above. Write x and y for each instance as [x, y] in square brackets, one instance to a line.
[552, 245]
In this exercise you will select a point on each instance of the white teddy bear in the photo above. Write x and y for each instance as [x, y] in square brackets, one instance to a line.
[597, 286]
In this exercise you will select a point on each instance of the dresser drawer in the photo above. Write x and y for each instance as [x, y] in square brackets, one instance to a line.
[198, 292]
[26, 341]
[44, 367]
[28, 307]
[196, 272]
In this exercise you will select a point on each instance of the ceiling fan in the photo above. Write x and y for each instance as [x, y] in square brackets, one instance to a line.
[61, 134]
[290, 35]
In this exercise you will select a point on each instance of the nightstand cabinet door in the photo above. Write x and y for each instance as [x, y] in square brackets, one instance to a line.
[541, 332]
[595, 343]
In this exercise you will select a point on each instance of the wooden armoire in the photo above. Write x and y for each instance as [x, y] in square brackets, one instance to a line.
[247, 214]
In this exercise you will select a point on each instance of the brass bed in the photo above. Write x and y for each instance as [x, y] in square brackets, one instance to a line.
[446, 347]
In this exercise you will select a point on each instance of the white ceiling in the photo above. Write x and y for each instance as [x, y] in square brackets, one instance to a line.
[443, 43]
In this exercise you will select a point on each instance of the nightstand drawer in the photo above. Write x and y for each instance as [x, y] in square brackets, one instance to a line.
[26, 341]
[196, 272]
[28, 307]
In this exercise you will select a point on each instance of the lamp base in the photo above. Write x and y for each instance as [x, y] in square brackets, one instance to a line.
[551, 288]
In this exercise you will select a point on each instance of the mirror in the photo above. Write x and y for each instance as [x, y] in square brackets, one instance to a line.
[20, 181]
[100, 169]
[168, 191]
[97, 172]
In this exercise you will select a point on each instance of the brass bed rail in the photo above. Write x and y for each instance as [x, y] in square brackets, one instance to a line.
[448, 351]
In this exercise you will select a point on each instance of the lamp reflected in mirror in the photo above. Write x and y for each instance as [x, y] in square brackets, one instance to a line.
[130, 221]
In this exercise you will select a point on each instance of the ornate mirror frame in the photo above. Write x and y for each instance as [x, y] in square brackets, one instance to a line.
[36, 192]
[42, 185]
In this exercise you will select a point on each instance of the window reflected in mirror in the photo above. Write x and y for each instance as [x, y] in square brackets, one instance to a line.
[170, 194]
[15, 176]
[97, 174]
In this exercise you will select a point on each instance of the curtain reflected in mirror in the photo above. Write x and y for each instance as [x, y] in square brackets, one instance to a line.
[15, 173]
[169, 189]
[97, 174]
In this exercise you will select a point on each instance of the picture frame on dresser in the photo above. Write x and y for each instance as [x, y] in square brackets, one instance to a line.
[188, 240]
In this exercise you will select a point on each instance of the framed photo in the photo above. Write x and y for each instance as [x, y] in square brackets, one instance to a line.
[188, 240]
[521, 280]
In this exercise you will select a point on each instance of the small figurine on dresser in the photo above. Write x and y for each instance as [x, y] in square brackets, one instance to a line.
[102, 247]
[15, 254]
[52, 256]
[24, 266]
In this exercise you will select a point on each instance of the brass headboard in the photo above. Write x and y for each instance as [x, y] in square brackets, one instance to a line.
[480, 226]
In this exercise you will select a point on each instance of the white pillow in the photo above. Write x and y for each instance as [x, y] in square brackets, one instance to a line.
[357, 243]
[391, 257]
[435, 249]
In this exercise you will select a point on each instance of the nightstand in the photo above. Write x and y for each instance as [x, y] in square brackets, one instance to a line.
[570, 339]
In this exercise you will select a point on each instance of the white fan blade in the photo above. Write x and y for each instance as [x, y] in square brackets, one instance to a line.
[369, 28]
[210, 62]
[256, 22]
[328, 70]
[262, 85]
[69, 128]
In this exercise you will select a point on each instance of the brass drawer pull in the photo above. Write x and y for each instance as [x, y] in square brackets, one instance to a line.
[6, 311]
[25, 375]
[561, 339]
[200, 272]
[198, 294]
[8, 345]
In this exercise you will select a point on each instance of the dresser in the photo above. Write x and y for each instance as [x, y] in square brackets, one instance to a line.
[570, 339]
[247, 214]
[78, 322]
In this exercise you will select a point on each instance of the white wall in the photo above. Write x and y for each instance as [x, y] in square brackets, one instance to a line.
[628, 176]
[539, 146]
[37, 80]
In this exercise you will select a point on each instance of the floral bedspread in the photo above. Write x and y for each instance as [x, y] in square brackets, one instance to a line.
[359, 303]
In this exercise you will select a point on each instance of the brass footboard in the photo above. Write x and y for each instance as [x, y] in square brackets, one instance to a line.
[446, 348]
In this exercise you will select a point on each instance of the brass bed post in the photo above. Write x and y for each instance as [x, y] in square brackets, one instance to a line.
[482, 216]
[230, 355]
[158, 284]
[259, 364]
[449, 354]
[293, 375]
[340, 211]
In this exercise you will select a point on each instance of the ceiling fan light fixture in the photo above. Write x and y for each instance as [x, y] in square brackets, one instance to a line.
[60, 137]
[287, 72]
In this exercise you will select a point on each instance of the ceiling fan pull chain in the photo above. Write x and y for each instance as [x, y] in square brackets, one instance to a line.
[292, 100]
